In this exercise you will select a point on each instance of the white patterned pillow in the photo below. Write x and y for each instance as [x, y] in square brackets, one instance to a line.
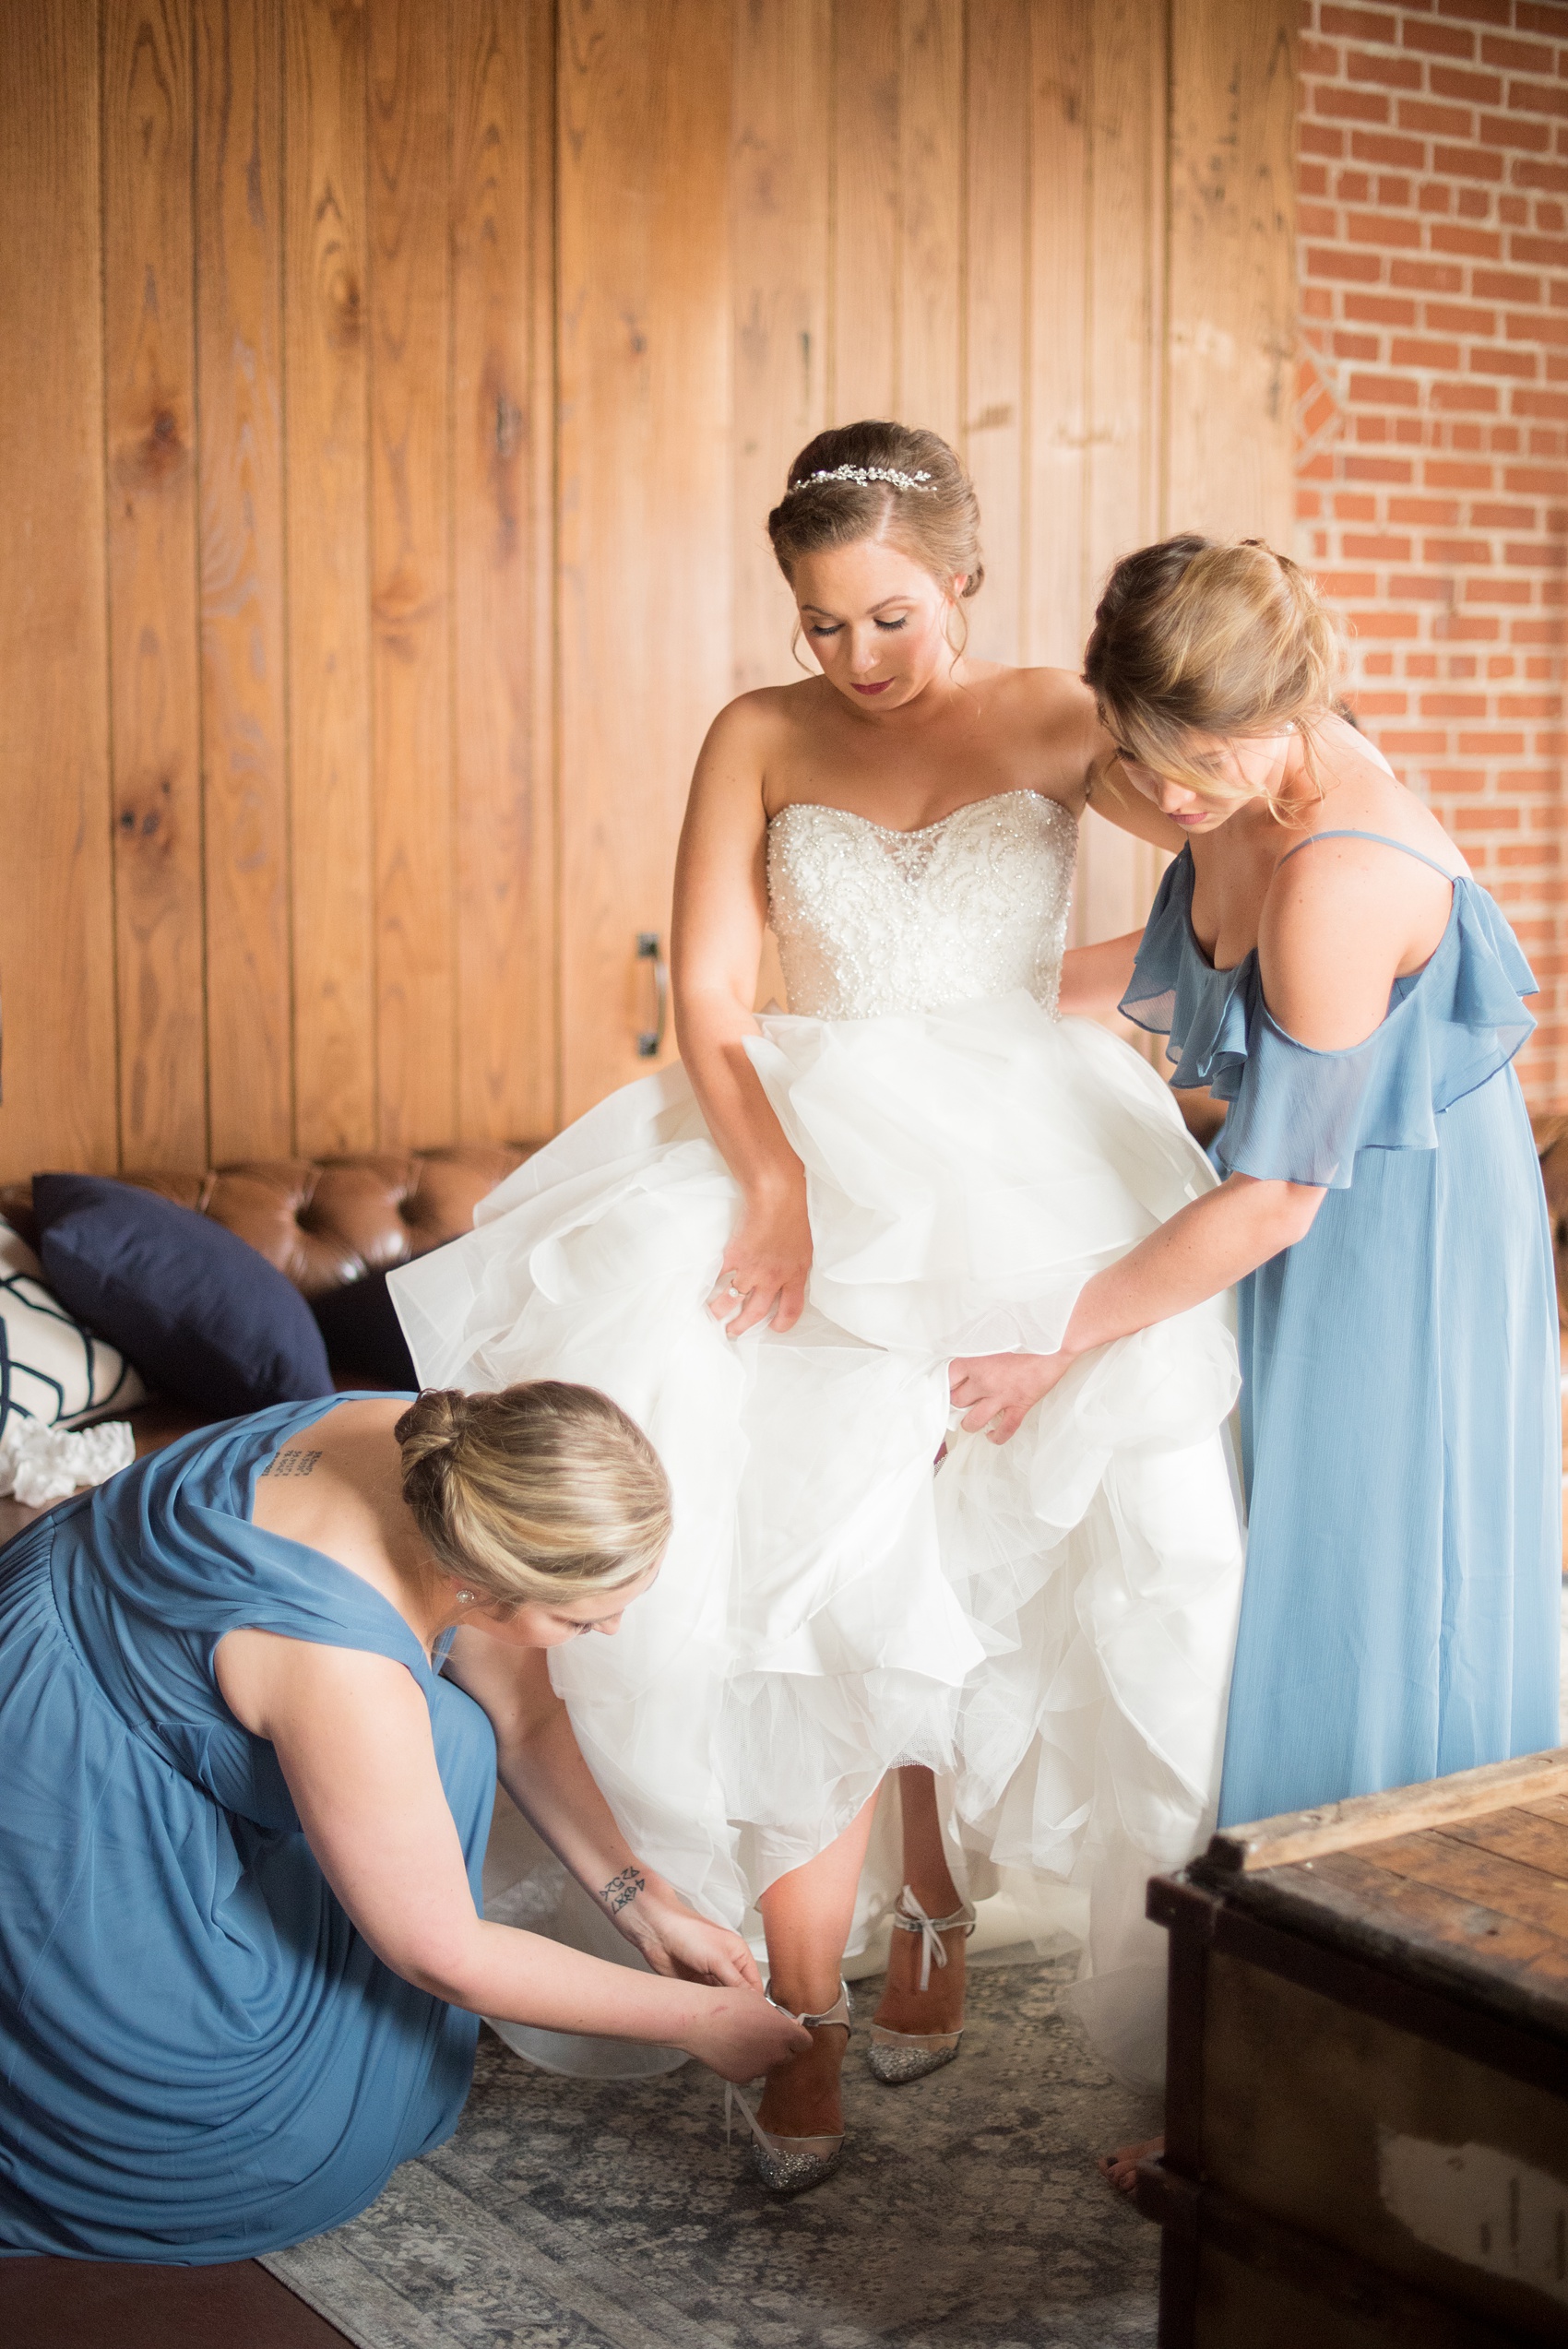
[59, 1374]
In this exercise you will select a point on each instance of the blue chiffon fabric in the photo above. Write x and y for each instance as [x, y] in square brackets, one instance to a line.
[202, 2059]
[1400, 1412]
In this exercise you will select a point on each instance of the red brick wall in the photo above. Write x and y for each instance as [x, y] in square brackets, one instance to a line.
[1432, 493]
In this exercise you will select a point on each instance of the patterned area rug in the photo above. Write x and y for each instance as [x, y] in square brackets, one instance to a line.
[612, 2215]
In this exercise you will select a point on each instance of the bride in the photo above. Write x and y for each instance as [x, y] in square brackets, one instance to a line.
[770, 1255]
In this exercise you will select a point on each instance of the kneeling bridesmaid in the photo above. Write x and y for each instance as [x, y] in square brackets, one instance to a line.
[253, 1695]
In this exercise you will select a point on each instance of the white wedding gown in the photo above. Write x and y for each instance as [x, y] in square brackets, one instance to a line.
[1048, 1623]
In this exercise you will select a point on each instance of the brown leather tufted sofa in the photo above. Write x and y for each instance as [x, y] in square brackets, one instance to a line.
[326, 1222]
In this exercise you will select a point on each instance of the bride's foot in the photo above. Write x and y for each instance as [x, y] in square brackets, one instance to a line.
[798, 2129]
[802, 2096]
[1120, 2169]
[919, 2019]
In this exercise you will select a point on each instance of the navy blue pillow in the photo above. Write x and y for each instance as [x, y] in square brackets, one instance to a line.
[204, 1318]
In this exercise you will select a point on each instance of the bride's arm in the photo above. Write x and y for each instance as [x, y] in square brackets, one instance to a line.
[1108, 792]
[1080, 764]
[720, 914]
[541, 1765]
[1095, 979]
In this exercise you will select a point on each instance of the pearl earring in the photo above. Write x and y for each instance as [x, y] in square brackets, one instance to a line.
[466, 1599]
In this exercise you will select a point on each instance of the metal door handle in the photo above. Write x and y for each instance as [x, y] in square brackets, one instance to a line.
[650, 1040]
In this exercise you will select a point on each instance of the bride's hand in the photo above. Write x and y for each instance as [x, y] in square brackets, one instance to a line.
[995, 1391]
[674, 1941]
[766, 1264]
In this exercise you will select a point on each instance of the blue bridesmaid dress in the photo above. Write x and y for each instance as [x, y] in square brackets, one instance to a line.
[1400, 1414]
[202, 2058]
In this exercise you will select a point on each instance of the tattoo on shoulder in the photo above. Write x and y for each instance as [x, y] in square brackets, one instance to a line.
[295, 1463]
[623, 1889]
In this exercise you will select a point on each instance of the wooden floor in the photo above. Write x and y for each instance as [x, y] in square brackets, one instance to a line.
[89, 2304]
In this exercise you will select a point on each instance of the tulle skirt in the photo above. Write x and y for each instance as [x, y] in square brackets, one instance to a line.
[1048, 1624]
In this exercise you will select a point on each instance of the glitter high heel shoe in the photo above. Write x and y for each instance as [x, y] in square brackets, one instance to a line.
[793, 2165]
[897, 2056]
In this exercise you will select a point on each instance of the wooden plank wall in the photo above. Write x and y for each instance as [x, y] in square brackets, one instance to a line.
[57, 980]
[397, 389]
[243, 713]
[325, 388]
[642, 621]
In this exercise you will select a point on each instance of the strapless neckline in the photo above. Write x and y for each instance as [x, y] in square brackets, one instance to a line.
[875, 918]
[916, 831]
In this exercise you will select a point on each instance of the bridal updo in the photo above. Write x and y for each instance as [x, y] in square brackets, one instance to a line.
[935, 522]
[542, 1491]
[1203, 636]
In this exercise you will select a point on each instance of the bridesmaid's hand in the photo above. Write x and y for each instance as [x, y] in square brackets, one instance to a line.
[995, 1392]
[740, 2036]
[766, 1264]
[674, 1941]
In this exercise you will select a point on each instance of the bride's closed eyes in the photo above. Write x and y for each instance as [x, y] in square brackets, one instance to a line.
[889, 627]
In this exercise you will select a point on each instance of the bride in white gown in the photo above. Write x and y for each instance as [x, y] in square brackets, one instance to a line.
[770, 1256]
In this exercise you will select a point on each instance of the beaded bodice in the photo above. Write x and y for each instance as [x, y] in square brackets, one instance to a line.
[869, 920]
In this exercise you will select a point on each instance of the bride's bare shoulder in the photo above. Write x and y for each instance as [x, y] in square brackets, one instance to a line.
[1053, 699]
[1058, 696]
[752, 737]
[765, 720]
[1053, 712]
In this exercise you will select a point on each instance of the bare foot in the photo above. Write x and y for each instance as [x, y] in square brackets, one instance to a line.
[904, 2006]
[1120, 2169]
[801, 2096]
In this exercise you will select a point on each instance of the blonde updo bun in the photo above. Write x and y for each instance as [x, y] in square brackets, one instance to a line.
[1221, 637]
[936, 526]
[539, 1492]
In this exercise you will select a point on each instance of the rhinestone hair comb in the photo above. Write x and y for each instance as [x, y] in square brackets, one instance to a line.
[862, 474]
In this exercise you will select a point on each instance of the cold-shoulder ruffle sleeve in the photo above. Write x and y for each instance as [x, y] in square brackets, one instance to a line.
[1175, 991]
[1297, 1115]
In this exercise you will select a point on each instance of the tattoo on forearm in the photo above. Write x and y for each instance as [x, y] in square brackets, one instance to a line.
[623, 1889]
[292, 1464]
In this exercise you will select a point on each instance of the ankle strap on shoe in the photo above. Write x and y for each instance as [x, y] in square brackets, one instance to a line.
[839, 2013]
[910, 1918]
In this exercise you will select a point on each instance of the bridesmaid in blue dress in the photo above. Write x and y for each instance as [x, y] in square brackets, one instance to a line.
[253, 1695]
[1323, 963]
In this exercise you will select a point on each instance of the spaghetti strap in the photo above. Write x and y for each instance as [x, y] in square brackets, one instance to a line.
[1381, 838]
